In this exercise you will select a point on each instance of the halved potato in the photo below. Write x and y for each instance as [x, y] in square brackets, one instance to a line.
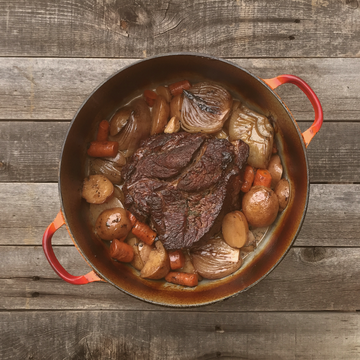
[235, 229]
[144, 251]
[158, 265]
[136, 262]
[97, 189]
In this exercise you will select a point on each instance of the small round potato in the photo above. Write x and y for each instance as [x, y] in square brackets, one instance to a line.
[113, 224]
[97, 189]
[275, 168]
[260, 206]
[282, 191]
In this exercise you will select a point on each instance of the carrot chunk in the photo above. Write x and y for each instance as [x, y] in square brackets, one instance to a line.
[182, 278]
[178, 87]
[150, 97]
[263, 177]
[249, 176]
[177, 259]
[121, 251]
[103, 131]
[141, 230]
[103, 149]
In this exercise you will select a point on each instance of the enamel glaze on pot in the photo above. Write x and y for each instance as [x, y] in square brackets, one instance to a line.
[120, 88]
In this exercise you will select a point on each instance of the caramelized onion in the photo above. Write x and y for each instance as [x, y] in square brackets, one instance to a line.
[255, 130]
[214, 258]
[206, 107]
[136, 129]
[119, 120]
[108, 168]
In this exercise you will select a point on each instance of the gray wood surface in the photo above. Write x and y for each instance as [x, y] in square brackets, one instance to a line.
[54, 88]
[308, 279]
[119, 28]
[52, 55]
[178, 335]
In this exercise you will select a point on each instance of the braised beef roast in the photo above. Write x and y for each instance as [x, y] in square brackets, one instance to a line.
[183, 184]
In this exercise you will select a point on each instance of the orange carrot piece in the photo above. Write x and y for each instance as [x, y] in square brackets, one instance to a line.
[103, 149]
[144, 233]
[121, 251]
[263, 177]
[141, 230]
[177, 259]
[150, 102]
[178, 87]
[249, 176]
[103, 131]
[131, 217]
[150, 97]
[150, 94]
[182, 278]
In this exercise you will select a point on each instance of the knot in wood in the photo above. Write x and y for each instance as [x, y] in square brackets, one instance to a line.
[313, 254]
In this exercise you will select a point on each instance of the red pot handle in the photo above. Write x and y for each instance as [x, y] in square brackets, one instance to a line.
[49, 253]
[315, 127]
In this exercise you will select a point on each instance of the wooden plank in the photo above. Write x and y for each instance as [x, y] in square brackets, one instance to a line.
[227, 28]
[178, 335]
[26, 210]
[308, 279]
[30, 151]
[48, 88]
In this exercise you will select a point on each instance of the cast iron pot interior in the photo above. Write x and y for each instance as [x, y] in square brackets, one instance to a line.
[119, 89]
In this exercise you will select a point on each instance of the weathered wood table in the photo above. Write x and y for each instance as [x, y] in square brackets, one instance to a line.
[53, 53]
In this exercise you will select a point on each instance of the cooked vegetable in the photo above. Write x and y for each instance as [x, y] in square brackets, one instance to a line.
[97, 189]
[180, 278]
[276, 170]
[177, 259]
[158, 265]
[112, 202]
[250, 244]
[178, 87]
[113, 224]
[165, 92]
[188, 266]
[108, 168]
[175, 106]
[249, 176]
[144, 251]
[119, 159]
[121, 251]
[119, 120]
[214, 259]
[260, 206]
[282, 191]
[262, 178]
[103, 131]
[160, 115]
[221, 134]
[103, 149]
[172, 126]
[206, 107]
[136, 129]
[141, 230]
[256, 131]
[150, 97]
[235, 229]
[136, 262]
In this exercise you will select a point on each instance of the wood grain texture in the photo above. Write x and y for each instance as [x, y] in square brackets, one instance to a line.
[30, 151]
[53, 89]
[178, 335]
[26, 210]
[118, 28]
[308, 279]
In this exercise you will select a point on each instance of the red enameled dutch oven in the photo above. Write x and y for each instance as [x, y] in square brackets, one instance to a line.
[116, 91]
